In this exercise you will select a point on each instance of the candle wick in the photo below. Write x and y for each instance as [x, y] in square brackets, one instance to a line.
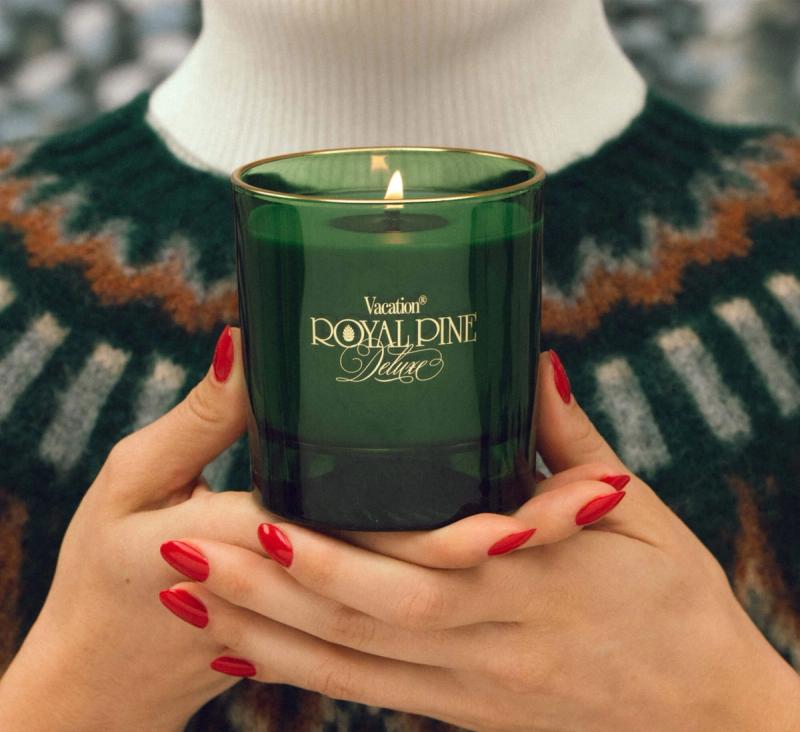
[393, 221]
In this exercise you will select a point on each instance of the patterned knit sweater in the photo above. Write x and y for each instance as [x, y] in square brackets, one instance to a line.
[672, 294]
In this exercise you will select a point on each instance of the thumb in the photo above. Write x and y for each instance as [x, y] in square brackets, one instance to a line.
[565, 436]
[167, 455]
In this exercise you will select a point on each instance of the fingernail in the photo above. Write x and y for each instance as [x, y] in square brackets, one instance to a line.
[223, 354]
[186, 559]
[186, 606]
[562, 380]
[233, 666]
[512, 541]
[617, 481]
[598, 507]
[275, 543]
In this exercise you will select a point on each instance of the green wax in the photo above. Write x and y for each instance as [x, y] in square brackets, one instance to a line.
[397, 339]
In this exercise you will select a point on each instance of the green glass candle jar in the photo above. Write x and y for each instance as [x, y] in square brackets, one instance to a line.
[389, 301]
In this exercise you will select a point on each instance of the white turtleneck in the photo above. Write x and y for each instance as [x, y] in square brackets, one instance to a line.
[543, 79]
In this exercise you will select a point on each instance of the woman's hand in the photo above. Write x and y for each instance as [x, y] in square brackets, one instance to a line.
[628, 624]
[103, 655]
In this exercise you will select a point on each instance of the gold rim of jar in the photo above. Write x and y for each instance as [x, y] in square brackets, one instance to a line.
[538, 175]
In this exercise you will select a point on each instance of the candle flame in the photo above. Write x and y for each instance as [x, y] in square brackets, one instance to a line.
[394, 191]
[395, 188]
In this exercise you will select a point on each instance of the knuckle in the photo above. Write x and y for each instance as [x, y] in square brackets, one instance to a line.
[582, 428]
[201, 406]
[318, 574]
[351, 627]
[226, 631]
[585, 436]
[450, 555]
[331, 678]
[422, 608]
[239, 586]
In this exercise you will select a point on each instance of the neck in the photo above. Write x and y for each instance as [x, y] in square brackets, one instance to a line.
[535, 78]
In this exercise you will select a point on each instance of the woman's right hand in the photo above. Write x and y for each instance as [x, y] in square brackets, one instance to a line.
[103, 654]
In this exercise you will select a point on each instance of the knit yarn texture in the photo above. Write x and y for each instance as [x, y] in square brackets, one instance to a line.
[671, 293]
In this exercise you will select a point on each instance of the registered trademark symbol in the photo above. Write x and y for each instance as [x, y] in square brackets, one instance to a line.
[423, 299]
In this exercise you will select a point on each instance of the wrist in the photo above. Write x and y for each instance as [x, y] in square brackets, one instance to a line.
[765, 696]
[45, 689]
[776, 708]
[781, 705]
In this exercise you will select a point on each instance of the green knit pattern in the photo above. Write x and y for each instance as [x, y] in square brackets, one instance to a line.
[671, 293]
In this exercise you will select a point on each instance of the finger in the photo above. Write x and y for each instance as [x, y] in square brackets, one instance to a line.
[230, 516]
[565, 435]
[465, 543]
[280, 654]
[476, 539]
[566, 510]
[586, 471]
[167, 455]
[563, 429]
[397, 592]
[567, 438]
[250, 580]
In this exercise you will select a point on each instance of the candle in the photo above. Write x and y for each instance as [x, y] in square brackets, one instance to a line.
[390, 333]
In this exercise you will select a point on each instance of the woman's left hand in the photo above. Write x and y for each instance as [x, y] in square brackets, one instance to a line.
[627, 623]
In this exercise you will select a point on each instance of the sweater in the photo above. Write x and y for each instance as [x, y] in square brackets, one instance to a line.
[671, 292]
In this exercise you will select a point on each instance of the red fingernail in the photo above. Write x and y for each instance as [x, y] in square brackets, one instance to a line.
[275, 543]
[617, 481]
[223, 354]
[233, 666]
[186, 559]
[512, 541]
[186, 606]
[562, 380]
[598, 507]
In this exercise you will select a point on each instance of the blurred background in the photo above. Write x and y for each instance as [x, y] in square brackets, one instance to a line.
[63, 61]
